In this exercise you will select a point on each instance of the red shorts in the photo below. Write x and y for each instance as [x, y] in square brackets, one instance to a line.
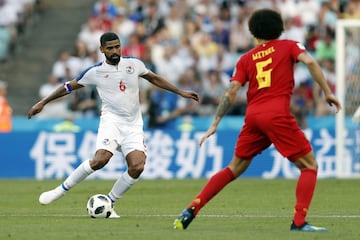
[261, 130]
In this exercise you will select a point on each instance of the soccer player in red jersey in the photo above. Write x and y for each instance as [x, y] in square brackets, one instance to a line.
[269, 70]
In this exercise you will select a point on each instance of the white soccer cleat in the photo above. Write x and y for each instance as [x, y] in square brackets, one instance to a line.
[50, 196]
[114, 214]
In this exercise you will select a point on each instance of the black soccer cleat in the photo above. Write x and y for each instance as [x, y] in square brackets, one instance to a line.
[184, 219]
[306, 227]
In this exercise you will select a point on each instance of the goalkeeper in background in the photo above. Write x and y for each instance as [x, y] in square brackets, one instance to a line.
[269, 69]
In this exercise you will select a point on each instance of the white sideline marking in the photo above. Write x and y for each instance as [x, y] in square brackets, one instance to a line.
[170, 215]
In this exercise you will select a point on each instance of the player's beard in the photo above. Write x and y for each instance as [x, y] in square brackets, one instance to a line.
[113, 59]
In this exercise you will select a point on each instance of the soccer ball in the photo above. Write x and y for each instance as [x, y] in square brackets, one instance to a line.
[99, 206]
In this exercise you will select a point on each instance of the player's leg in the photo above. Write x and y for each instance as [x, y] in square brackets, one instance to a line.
[249, 143]
[215, 184]
[134, 150]
[304, 193]
[135, 161]
[218, 181]
[106, 145]
[291, 142]
[86, 168]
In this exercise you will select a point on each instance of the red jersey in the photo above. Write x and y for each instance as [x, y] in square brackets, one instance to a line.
[269, 69]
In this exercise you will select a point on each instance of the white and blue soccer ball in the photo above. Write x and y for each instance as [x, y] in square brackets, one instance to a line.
[99, 206]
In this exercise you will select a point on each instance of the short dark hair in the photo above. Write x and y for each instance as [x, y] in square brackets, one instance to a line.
[108, 36]
[266, 24]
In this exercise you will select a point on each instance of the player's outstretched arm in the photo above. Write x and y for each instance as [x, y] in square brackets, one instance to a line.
[226, 102]
[59, 92]
[318, 76]
[160, 82]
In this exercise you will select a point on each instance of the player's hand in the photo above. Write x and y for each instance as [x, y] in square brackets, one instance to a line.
[35, 109]
[209, 132]
[191, 94]
[332, 100]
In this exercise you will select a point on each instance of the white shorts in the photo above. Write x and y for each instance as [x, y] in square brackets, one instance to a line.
[113, 136]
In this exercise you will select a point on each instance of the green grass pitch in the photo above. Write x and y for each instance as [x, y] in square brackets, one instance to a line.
[251, 209]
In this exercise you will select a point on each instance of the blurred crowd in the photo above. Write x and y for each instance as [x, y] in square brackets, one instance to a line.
[15, 17]
[194, 44]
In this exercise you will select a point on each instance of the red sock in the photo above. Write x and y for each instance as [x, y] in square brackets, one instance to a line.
[215, 184]
[304, 194]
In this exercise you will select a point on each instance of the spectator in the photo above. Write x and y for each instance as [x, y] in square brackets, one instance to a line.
[225, 62]
[322, 108]
[351, 9]
[175, 22]
[311, 37]
[84, 103]
[212, 90]
[105, 8]
[188, 81]
[220, 35]
[57, 108]
[293, 30]
[202, 18]
[225, 15]
[145, 86]
[287, 8]
[170, 65]
[123, 26]
[82, 54]
[301, 103]
[308, 11]
[186, 53]
[207, 51]
[240, 37]
[104, 11]
[8, 31]
[166, 107]
[134, 48]
[4, 43]
[90, 35]
[326, 47]
[327, 16]
[5, 110]
[153, 21]
[66, 66]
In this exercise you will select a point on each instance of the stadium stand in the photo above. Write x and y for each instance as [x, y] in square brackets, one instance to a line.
[200, 35]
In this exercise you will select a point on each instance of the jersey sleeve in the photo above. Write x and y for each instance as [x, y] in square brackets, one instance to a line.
[239, 71]
[88, 75]
[142, 69]
[296, 49]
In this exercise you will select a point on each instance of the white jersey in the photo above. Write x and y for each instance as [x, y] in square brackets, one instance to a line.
[118, 88]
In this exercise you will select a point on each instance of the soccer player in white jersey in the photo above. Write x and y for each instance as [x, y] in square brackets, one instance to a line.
[121, 124]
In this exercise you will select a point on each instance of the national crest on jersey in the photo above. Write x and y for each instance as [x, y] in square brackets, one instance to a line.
[129, 70]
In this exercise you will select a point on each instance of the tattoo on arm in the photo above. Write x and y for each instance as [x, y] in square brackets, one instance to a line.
[225, 102]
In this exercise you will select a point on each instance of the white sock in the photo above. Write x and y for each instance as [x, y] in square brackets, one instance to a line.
[79, 174]
[123, 184]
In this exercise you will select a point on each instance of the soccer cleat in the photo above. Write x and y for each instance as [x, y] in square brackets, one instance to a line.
[306, 227]
[184, 219]
[114, 214]
[52, 195]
